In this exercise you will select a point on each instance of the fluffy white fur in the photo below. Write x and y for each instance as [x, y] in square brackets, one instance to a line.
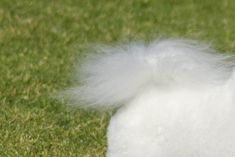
[176, 98]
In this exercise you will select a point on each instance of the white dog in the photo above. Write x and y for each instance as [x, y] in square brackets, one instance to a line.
[176, 98]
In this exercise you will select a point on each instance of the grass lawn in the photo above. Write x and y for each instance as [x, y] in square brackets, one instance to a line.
[41, 40]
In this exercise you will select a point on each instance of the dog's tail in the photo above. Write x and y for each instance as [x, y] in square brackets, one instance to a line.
[118, 74]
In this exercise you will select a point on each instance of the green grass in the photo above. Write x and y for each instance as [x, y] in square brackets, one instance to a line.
[41, 40]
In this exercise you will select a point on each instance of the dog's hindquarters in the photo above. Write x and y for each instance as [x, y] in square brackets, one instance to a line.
[182, 122]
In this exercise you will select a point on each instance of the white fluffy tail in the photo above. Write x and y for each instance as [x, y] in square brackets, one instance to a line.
[118, 74]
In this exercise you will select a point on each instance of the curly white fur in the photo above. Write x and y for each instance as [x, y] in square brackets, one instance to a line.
[176, 98]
